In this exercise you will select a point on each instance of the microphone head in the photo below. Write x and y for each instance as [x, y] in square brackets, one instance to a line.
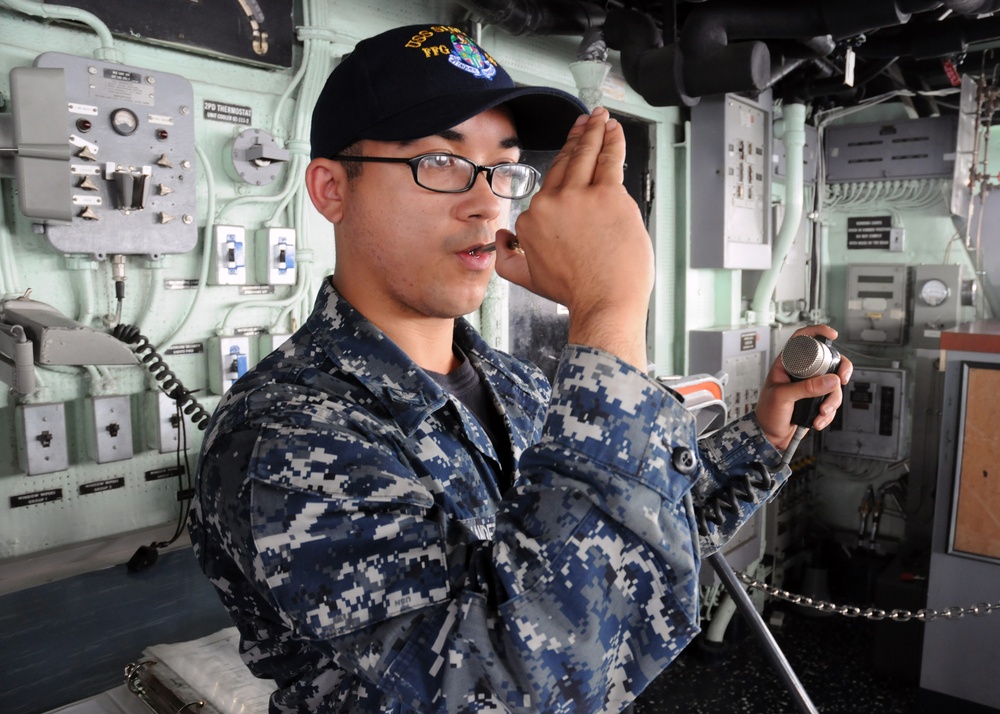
[804, 357]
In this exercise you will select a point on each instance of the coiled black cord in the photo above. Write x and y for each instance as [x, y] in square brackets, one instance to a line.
[739, 489]
[152, 361]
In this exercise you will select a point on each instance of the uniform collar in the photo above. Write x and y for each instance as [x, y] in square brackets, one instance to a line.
[360, 348]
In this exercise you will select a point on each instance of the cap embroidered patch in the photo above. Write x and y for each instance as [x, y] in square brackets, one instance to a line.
[470, 58]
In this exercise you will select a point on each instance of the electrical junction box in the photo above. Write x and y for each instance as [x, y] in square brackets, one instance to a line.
[903, 149]
[731, 183]
[130, 133]
[42, 439]
[228, 360]
[939, 294]
[876, 304]
[871, 421]
[276, 256]
[740, 352]
[110, 429]
[230, 256]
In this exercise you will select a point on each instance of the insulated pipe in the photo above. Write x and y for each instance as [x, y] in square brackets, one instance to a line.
[949, 37]
[107, 50]
[719, 23]
[793, 126]
[654, 71]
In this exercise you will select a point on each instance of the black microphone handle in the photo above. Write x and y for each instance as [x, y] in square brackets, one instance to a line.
[806, 411]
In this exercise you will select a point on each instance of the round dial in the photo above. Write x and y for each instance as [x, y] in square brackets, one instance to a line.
[124, 121]
[934, 292]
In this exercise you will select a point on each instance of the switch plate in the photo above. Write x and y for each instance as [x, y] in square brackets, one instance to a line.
[112, 429]
[230, 255]
[228, 360]
[276, 256]
[42, 442]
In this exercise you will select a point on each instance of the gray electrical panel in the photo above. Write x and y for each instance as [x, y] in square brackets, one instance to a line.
[871, 420]
[876, 304]
[731, 183]
[904, 149]
[131, 171]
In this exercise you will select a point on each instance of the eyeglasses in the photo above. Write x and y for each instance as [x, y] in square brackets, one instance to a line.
[447, 173]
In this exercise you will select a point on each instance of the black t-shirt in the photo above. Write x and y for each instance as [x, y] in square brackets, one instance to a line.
[468, 388]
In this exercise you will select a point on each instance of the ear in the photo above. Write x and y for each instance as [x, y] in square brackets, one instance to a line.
[326, 182]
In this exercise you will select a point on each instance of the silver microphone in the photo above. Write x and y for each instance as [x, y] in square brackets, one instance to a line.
[804, 357]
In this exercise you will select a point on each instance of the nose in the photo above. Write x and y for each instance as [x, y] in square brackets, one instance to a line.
[480, 202]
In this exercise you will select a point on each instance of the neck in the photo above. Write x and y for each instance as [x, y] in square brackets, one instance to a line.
[425, 340]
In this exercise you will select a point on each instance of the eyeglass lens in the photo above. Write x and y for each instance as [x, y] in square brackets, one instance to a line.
[445, 172]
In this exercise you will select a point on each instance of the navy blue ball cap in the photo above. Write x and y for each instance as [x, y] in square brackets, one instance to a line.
[416, 81]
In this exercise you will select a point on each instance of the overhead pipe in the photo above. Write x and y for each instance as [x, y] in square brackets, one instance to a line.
[793, 128]
[721, 47]
[835, 85]
[652, 70]
[950, 37]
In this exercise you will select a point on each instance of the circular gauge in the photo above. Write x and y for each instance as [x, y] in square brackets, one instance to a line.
[124, 121]
[934, 292]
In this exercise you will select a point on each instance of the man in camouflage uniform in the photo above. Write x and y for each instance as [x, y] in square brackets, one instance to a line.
[402, 519]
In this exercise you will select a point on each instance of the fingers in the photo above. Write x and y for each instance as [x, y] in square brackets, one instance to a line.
[594, 152]
[846, 370]
[557, 169]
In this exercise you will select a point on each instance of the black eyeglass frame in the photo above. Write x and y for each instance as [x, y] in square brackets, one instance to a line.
[414, 162]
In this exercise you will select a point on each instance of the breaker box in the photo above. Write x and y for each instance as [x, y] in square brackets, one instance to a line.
[871, 420]
[731, 183]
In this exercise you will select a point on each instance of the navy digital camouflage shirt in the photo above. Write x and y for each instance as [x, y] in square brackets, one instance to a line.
[349, 515]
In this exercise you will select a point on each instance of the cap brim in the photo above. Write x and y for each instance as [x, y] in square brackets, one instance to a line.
[543, 116]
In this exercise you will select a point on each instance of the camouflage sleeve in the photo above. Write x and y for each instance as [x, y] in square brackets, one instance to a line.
[731, 454]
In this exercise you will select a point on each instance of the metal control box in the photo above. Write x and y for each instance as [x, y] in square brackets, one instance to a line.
[876, 304]
[132, 160]
[731, 183]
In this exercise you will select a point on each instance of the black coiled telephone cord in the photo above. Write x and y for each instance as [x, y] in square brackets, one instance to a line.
[152, 361]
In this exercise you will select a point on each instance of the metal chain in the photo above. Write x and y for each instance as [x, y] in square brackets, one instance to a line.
[870, 613]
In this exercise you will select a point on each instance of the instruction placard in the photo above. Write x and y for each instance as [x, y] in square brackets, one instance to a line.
[869, 232]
